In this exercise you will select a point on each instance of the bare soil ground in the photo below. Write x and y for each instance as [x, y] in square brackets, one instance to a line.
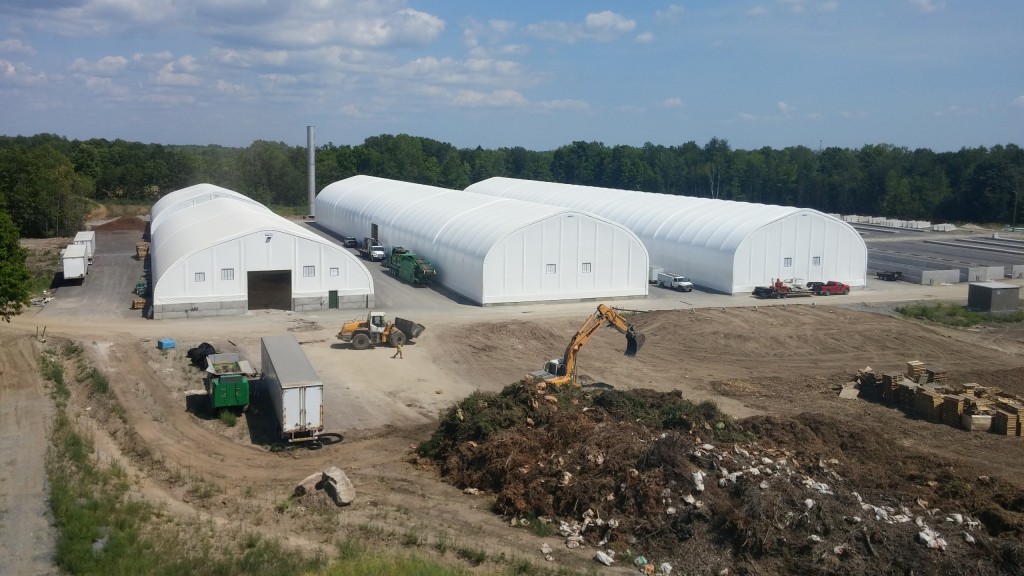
[777, 364]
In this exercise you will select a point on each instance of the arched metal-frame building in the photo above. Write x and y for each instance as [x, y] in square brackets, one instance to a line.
[724, 246]
[491, 250]
[224, 256]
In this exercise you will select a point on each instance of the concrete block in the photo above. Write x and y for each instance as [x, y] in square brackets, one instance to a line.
[234, 305]
[169, 315]
[982, 422]
[940, 276]
[202, 313]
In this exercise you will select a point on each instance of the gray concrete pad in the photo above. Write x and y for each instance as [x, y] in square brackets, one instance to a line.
[107, 289]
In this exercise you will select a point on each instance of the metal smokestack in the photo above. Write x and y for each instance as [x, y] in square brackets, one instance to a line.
[311, 168]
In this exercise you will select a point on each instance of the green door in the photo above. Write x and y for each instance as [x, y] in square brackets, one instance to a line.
[332, 299]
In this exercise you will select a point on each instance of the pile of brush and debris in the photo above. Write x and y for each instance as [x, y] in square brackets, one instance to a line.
[648, 478]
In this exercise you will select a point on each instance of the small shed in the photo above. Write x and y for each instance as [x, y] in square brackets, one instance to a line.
[993, 297]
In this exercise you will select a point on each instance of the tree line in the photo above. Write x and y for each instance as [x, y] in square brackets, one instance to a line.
[48, 182]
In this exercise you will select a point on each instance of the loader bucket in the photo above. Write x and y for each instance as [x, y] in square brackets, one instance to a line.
[409, 328]
[634, 341]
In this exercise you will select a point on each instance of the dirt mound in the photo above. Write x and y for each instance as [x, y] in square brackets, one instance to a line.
[124, 223]
[643, 472]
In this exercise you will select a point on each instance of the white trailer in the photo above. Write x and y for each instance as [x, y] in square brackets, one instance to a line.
[653, 272]
[296, 391]
[75, 262]
[88, 239]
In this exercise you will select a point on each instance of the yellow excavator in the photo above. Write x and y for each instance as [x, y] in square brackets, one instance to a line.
[562, 371]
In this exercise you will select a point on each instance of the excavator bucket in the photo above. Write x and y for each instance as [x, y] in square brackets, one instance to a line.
[634, 341]
[411, 329]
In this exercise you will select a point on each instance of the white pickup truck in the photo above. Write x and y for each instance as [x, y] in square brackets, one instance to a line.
[675, 282]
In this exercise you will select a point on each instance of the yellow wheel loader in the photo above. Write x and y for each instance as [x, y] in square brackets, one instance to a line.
[376, 330]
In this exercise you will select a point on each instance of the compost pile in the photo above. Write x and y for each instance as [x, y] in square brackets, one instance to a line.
[649, 478]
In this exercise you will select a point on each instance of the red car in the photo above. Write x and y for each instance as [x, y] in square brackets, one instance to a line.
[829, 288]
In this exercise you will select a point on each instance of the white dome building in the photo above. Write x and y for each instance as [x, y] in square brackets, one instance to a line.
[224, 256]
[723, 246]
[491, 250]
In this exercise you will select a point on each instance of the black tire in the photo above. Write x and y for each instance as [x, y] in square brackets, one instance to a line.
[360, 341]
[826, 293]
[396, 337]
[846, 291]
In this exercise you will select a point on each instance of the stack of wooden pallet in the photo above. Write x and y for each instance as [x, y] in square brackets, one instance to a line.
[905, 396]
[890, 386]
[915, 368]
[869, 385]
[928, 404]
[1005, 422]
[141, 249]
[937, 375]
[953, 409]
[138, 303]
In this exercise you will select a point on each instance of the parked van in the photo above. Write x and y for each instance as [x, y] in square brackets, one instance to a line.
[675, 282]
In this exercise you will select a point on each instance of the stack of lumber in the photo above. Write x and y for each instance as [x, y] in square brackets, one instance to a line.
[138, 303]
[928, 404]
[915, 368]
[953, 409]
[141, 249]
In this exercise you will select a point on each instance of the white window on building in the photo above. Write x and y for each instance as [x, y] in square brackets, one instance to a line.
[787, 262]
[309, 271]
[816, 261]
[227, 273]
[586, 268]
[334, 271]
[551, 269]
[200, 276]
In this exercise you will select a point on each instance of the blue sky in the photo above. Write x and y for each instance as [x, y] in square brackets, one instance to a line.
[938, 74]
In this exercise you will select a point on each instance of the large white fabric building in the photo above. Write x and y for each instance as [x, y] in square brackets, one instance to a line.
[491, 250]
[225, 256]
[723, 246]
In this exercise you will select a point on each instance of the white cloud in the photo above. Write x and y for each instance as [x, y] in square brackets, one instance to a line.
[673, 12]
[955, 110]
[495, 99]
[1018, 102]
[564, 105]
[854, 114]
[597, 26]
[351, 110]
[828, 6]
[794, 5]
[645, 37]
[758, 11]
[225, 87]
[15, 46]
[278, 79]
[19, 74]
[784, 109]
[107, 65]
[672, 102]
[928, 6]
[105, 87]
[179, 73]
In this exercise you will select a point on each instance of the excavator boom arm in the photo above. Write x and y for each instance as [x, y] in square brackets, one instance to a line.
[604, 314]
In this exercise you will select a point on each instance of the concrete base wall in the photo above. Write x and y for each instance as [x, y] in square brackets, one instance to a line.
[940, 277]
[1017, 271]
[982, 274]
[240, 307]
[199, 310]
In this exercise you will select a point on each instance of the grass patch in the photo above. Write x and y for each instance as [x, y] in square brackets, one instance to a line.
[951, 314]
[475, 556]
[227, 418]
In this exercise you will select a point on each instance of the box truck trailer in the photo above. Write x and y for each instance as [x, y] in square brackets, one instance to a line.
[88, 239]
[296, 391]
[74, 262]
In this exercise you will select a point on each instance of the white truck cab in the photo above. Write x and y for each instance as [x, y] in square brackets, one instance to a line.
[675, 282]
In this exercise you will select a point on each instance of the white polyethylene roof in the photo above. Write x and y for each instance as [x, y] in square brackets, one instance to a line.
[186, 197]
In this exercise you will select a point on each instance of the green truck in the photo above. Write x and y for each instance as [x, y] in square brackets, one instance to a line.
[227, 381]
[410, 267]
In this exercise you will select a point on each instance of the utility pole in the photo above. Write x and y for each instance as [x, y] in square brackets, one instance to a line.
[1014, 226]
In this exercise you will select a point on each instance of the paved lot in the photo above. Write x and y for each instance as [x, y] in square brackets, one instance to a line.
[107, 289]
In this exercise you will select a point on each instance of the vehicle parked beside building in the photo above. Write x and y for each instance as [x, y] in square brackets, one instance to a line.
[675, 282]
[296, 391]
